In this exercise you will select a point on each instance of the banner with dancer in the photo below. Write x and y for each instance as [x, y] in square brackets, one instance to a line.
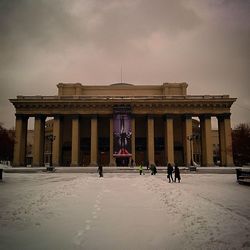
[122, 135]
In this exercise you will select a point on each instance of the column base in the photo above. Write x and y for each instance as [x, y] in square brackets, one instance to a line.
[18, 165]
[207, 165]
[38, 165]
[93, 164]
[228, 165]
[171, 162]
[74, 165]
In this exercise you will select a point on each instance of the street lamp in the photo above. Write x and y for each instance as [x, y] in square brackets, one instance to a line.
[51, 138]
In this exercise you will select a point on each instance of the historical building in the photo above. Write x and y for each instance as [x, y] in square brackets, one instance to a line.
[111, 125]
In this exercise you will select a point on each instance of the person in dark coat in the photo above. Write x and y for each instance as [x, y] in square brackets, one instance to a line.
[132, 163]
[177, 174]
[170, 172]
[100, 171]
[153, 169]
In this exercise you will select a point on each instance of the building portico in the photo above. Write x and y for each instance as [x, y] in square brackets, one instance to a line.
[113, 124]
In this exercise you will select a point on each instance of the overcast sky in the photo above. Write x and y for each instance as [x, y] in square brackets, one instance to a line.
[205, 43]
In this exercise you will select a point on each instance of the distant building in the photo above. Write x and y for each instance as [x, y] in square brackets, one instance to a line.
[113, 124]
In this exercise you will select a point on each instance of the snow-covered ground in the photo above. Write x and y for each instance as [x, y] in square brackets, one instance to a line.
[123, 211]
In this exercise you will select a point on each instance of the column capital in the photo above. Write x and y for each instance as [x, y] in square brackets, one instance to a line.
[186, 116]
[168, 116]
[21, 117]
[75, 116]
[58, 117]
[109, 116]
[94, 116]
[224, 116]
[205, 116]
[133, 116]
[39, 116]
[150, 116]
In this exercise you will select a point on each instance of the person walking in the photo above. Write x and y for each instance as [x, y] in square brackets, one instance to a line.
[177, 174]
[140, 168]
[170, 173]
[153, 169]
[100, 171]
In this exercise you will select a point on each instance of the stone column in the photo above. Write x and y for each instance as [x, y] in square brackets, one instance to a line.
[57, 147]
[206, 141]
[20, 141]
[94, 141]
[133, 138]
[38, 150]
[187, 132]
[225, 140]
[151, 151]
[169, 139]
[111, 142]
[75, 148]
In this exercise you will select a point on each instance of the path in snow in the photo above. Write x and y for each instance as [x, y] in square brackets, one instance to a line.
[123, 211]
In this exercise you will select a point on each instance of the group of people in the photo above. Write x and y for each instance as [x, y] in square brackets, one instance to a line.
[176, 171]
[152, 168]
[170, 171]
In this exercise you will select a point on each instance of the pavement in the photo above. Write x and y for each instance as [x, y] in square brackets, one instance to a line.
[163, 169]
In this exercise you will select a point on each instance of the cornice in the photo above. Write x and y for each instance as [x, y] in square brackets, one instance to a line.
[161, 105]
[138, 106]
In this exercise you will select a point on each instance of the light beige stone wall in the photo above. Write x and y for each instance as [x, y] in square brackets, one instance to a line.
[94, 141]
[169, 140]
[57, 143]
[38, 149]
[122, 89]
[75, 149]
[150, 140]
[20, 141]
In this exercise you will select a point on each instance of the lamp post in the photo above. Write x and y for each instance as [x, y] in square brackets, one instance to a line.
[191, 138]
[51, 138]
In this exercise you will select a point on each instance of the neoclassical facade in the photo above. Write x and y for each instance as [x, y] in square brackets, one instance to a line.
[119, 123]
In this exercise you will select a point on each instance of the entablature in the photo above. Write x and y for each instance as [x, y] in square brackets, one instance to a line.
[143, 105]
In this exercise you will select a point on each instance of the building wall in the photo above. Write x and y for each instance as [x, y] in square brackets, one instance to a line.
[103, 135]
[122, 89]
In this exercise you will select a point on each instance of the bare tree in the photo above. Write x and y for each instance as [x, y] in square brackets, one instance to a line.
[7, 139]
[241, 144]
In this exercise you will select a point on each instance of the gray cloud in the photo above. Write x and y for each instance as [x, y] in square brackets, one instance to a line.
[57, 24]
[205, 43]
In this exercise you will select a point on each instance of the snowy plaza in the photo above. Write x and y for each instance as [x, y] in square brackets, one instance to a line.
[123, 211]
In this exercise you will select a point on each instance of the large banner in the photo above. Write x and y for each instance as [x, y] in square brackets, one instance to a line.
[122, 135]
